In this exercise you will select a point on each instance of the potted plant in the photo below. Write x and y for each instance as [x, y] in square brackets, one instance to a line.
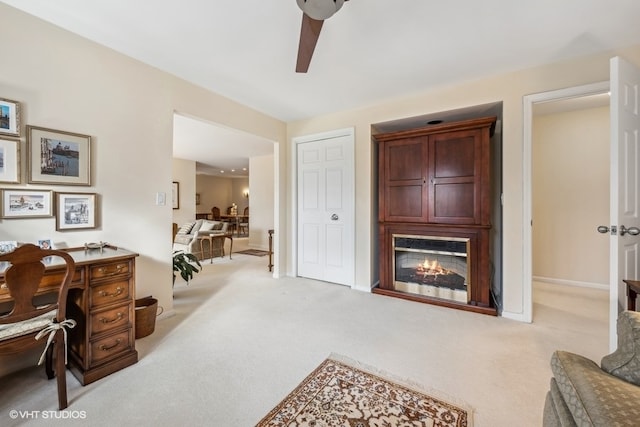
[185, 263]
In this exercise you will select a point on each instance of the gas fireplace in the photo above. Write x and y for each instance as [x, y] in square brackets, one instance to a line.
[433, 266]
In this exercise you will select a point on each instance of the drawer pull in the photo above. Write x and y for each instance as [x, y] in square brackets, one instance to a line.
[104, 347]
[107, 272]
[118, 291]
[105, 321]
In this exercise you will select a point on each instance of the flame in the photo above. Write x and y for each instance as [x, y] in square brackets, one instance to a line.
[431, 267]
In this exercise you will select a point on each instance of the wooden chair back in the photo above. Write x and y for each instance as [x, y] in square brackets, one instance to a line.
[27, 294]
[215, 213]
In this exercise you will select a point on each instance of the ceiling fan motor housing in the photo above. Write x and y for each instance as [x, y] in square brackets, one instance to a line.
[320, 9]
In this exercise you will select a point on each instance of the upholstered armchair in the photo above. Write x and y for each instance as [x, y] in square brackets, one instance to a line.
[585, 394]
[189, 235]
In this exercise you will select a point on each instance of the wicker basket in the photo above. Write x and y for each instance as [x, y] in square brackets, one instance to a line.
[146, 312]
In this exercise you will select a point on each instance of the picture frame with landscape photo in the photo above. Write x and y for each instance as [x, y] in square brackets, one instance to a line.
[58, 157]
[9, 161]
[21, 203]
[9, 117]
[75, 211]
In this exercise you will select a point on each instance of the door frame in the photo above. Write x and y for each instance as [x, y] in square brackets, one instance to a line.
[293, 190]
[527, 157]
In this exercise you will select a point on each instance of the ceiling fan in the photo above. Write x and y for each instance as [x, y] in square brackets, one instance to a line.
[315, 12]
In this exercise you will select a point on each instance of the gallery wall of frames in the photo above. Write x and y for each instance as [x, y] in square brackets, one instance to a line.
[53, 157]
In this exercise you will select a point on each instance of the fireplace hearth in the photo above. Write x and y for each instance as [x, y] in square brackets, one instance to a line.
[432, 265]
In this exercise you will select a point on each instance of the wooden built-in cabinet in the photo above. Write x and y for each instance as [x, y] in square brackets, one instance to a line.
[436, 179]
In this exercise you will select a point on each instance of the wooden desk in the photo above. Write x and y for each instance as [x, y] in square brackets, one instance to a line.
[633, 289]
[102, 301]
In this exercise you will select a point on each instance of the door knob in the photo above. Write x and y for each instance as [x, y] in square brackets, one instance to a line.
[604, 229]
[334, 217]
[634, 231]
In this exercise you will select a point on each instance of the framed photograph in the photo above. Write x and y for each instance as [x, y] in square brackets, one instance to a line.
[45, 243]
[8, 246]
[75, 211]
[9, 161]
[9, 117]
[175, 195]
[58, 157]
[22, 203]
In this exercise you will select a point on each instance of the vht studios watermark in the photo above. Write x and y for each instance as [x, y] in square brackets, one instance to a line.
[48, 415]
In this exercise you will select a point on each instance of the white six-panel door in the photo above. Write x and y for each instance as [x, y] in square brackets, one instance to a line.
[325, 211]
[625, 185]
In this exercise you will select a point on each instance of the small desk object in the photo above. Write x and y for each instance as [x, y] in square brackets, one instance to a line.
[102, 302]
[633, 289]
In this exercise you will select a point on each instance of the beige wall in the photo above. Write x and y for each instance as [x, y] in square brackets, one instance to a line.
[220, 192]
[508, 88]
[67, 83]
[261, 215]
[570, 179]
[184, 172]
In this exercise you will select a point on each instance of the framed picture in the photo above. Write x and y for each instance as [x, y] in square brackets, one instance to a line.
[22, 203]
[58, 157]
[175, 195]
[8, 246]
[9, 161]
[45, 243]
[9, 117]
[75, 211]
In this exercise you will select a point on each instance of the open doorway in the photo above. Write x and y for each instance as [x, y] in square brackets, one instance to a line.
[557, 175]
[218, 166]
[570, 199]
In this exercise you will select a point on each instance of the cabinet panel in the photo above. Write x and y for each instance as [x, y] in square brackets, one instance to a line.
[405, 201]
[454, 154]
[403, 179]
[455, 173]
[454, 202]
[405, 160]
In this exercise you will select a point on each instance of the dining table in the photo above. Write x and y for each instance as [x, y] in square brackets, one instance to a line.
[235, 221]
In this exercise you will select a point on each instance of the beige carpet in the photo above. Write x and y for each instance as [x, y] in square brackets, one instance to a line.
[343, 393]
[241, 340]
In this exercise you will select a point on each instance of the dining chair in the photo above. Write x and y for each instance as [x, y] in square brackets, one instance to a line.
[215, 213]
[243, 226]
[33, 306]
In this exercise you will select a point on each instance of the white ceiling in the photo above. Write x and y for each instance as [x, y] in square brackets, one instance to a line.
[371, 51]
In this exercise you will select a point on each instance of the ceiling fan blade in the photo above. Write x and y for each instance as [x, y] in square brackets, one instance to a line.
[309, 34]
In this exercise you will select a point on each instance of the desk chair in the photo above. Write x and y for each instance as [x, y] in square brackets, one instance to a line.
[34, 307]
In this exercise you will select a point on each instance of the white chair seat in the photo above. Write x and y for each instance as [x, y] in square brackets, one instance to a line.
[26, 327]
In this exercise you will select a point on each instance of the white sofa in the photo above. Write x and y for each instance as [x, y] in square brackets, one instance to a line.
[188, 238]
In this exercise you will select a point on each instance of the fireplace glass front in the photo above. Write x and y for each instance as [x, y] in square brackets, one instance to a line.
[434, 266]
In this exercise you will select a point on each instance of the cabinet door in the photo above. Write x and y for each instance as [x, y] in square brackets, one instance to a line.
[458, 168]
[404, 179]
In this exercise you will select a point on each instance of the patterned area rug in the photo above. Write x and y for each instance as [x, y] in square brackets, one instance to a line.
[254, 252]
[338, 393]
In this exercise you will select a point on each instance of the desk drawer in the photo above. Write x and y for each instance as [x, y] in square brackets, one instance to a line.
[111, 346]
[109, 293]
[111, 319]
[49, 282]
[110, 270]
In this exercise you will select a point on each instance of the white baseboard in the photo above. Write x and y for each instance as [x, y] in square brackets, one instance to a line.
[601, 286]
